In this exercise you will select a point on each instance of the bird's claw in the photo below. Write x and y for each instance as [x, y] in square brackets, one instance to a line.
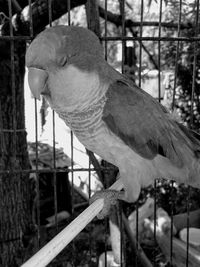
[110, 199]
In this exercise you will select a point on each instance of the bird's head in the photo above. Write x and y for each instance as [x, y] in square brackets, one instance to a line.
[54, 49]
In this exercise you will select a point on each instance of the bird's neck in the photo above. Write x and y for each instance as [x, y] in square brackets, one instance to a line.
[77, 90]
[75, 119]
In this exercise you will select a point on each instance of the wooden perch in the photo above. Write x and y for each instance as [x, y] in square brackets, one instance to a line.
[46, 254]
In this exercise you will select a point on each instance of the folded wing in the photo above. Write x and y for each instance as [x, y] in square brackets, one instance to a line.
[146, 126]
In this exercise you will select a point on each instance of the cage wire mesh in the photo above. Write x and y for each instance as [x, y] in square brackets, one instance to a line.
[154, 43]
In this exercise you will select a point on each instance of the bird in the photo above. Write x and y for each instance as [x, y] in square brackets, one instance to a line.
[109, 114]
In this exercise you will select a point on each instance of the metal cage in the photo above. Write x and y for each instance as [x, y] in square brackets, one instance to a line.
[54, 186]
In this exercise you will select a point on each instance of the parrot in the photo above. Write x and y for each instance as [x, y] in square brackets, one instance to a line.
[109, 114]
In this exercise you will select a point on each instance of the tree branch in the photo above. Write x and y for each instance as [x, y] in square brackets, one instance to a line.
[151, 58]
[59, 8]
[96, 164]
[117, 20]
[40, 15]
[92, 12]
[16, 6]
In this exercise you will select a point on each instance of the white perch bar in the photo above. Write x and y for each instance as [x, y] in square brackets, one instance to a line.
[46, 254]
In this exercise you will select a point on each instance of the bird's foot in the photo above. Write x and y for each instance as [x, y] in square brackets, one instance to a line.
[110, 199]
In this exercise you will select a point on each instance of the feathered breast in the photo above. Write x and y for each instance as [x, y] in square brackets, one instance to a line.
[85, 124]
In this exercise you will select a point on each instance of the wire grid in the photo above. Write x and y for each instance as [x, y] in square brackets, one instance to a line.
[123, 38]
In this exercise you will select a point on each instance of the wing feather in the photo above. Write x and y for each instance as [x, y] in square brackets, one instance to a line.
[145, 125]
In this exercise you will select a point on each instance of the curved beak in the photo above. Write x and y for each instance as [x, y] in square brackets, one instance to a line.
[37, 81]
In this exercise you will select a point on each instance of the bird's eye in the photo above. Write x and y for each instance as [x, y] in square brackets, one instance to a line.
[63, 61]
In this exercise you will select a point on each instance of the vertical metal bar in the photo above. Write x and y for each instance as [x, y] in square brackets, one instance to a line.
[137, 234]
[50, 12]
[31, 18]
[12, 60]
[159, 48]
[72, 145]
[88, 14]
[54, 174]
[140, 78]
[72, 185]
[54, 149]
[123, 35]
[172, 223]
[106, 223]
[36, 142]
[106, 32]
[71, 136]
[69, 11]
[121, 236]
[123, 62]
[37, 175]
[173, 104]
[155, 220]
[194, 63]
[177, 54]
[89, 183]
[188, 223]
[140, 42]
[159, 98]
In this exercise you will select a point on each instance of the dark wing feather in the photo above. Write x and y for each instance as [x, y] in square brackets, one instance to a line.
[145, 125]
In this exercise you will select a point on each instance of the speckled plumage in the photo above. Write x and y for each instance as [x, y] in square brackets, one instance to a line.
[109, 115]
